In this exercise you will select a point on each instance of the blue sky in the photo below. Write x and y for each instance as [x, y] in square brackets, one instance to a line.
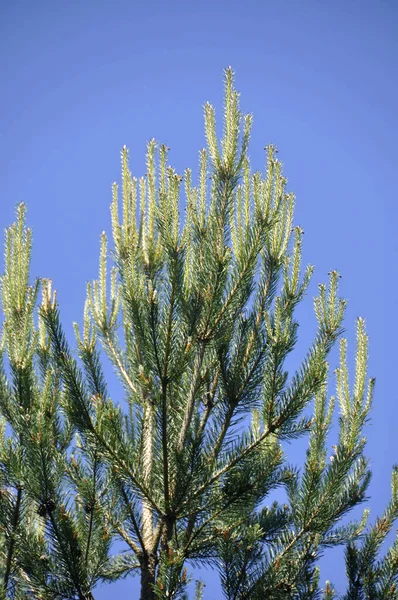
[80, 79]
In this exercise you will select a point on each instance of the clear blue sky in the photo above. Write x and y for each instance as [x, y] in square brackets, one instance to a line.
[80, 79]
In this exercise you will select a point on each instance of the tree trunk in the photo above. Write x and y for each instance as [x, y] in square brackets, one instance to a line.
[148, 571]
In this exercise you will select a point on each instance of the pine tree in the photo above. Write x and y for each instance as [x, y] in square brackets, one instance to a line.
[197, 318]
[54, 543]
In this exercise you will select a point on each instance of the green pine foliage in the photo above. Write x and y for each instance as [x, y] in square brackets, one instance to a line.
[197, 317]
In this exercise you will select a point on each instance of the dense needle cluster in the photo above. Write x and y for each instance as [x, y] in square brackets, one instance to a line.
[197, 317]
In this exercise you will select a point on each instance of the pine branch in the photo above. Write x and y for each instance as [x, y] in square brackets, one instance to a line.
[11, 544]
[118, 361]
[192, 393]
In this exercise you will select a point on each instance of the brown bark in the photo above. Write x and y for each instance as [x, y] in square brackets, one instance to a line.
[148, 576]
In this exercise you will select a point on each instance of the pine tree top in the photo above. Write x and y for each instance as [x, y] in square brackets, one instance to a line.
[197, 316]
